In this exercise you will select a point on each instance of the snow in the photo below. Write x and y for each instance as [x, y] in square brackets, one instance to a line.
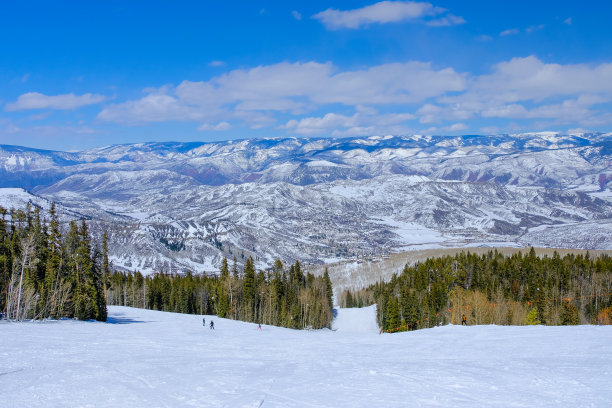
[358, 321]
[322, 163]
[144, 358]
[411, 233]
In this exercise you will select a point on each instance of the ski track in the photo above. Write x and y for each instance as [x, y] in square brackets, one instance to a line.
[157, 359]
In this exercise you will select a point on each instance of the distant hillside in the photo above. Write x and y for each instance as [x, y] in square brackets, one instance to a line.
[184, 206]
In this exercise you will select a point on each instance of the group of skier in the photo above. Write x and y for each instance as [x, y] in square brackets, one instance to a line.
[212, 324]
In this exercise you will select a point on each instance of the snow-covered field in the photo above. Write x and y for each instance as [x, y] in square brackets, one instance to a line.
[145, 358]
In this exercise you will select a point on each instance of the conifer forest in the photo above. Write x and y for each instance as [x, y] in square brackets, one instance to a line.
[493, 289]
[46, 272]
[280, 297]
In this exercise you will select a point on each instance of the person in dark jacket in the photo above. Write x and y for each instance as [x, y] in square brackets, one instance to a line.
[463, 321]
[203, 321]
[212, 325]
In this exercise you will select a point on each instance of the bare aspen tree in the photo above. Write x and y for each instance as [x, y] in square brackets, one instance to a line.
[27, 246]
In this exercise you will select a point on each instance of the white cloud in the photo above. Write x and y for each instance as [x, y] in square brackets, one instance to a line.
[530, 78]
[154, 107]
[533, 28]
[505, 111]
[356, 125]
[457, 127]
[568, 21]
[515, 31]
[527, 88]
[35, 100]
[316, 126]
[45, 131]
[446, 21]
[454, 128]
[430, 113]
[39, 116]
[386, 12]
[313, 98]
[221, 126]
[511, 31]
[296, 14]
[293, 88]
[216, 63]
[578, 131]
[484, 38]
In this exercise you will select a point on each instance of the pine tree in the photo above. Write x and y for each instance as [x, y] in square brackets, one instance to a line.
[569, 314]
[393, 318]
[248, 289]
[53, 281]
[329, 291]
[222, 290]
[532, 317]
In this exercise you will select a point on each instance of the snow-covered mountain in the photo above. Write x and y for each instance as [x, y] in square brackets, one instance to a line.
[178, 206]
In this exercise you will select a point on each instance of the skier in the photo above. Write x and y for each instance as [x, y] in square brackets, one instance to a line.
[463, 321]
[212, 325]
[259, 326]
[204, 321]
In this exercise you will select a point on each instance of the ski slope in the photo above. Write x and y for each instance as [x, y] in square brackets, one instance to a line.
[143, 358]
[356, 321]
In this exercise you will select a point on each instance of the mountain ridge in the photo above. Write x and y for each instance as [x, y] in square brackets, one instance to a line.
[183, 206]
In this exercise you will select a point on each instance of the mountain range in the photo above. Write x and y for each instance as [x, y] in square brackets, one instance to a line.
[172, 207]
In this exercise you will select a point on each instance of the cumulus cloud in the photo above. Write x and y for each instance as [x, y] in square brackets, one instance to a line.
[359, 124]
[527, 88]
[312, 98]
[154, 107]
[254, 95]
[296, 14]
[386, 12]
[35, 100]
[320, 125]
[530, 78]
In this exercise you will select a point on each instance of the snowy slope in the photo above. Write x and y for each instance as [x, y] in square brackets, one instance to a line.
[356, 320]
[153, 359]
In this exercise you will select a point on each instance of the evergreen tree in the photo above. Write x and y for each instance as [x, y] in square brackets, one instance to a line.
[329, 291]
[248, 289]
[393, 318]
[532, 317]
[222, 290]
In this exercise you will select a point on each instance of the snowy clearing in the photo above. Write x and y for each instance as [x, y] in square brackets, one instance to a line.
[144, 358]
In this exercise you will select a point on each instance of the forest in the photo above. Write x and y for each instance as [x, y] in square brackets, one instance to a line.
[47, 273]
[492, 289]
[279, 297]
[50, 273]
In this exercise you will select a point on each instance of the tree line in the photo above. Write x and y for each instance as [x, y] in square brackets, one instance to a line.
[45, 272]
[280, 297]
[493, 289]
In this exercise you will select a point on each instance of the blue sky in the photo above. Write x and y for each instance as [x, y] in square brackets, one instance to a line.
[80, 74]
